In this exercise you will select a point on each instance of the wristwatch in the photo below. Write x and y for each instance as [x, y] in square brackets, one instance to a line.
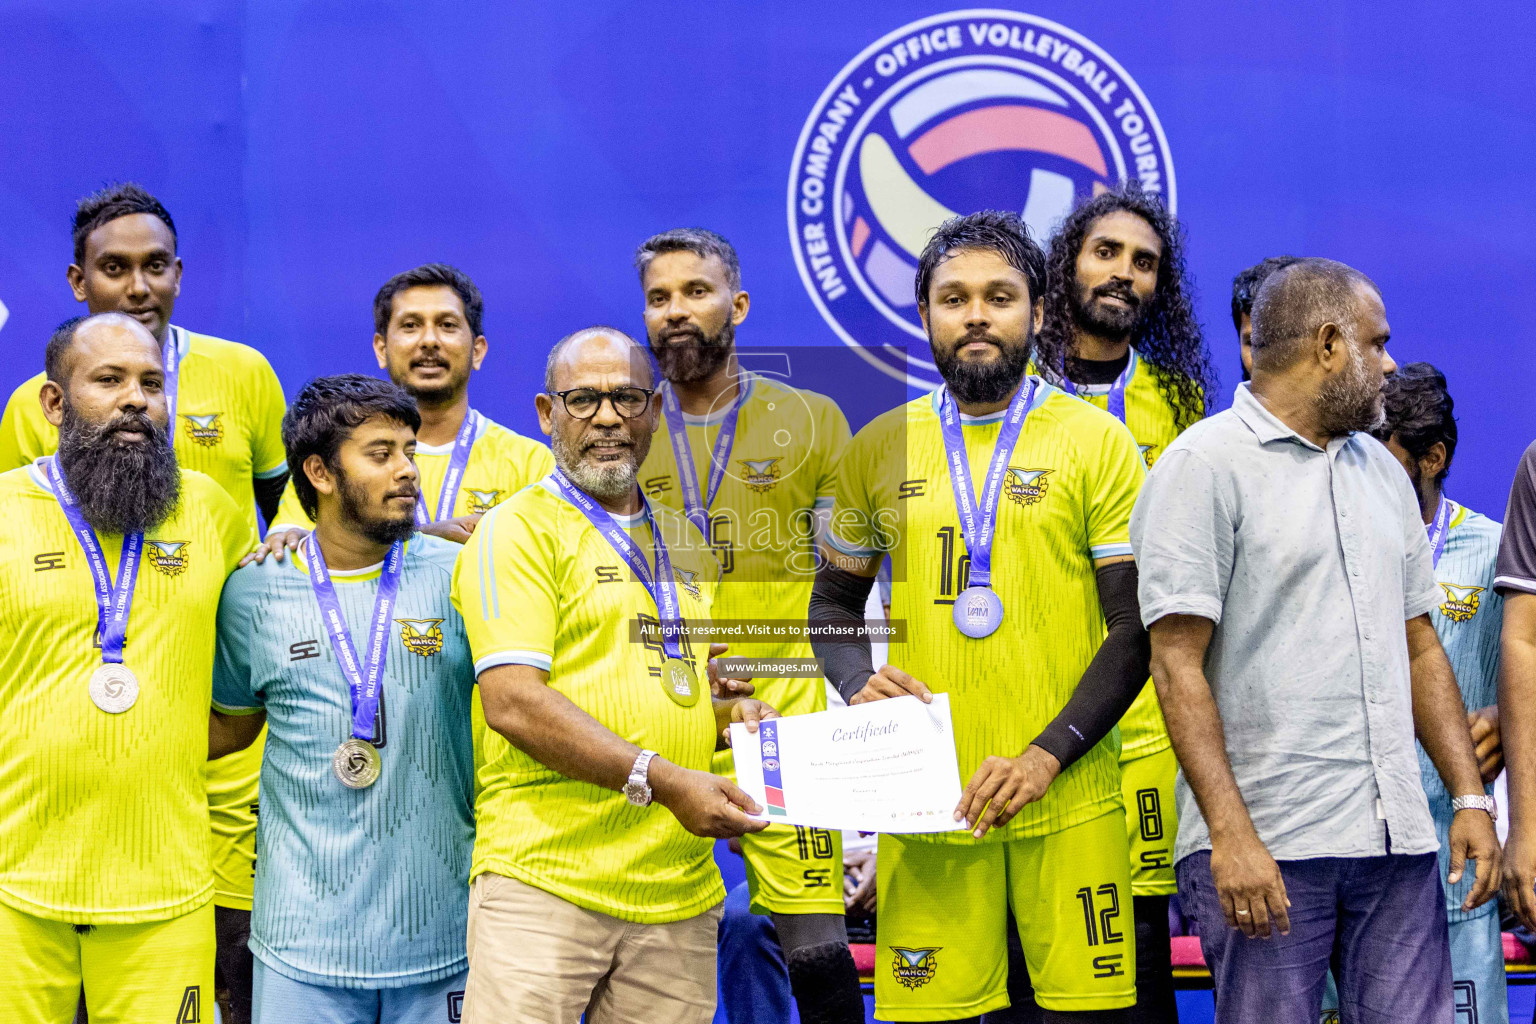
[638, 789]
[1477, 803]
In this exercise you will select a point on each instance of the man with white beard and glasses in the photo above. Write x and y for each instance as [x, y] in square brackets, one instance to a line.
[584, 606]
[111, 563]
[1287, 582]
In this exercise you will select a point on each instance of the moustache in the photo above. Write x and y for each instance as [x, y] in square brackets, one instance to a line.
[126, 421]
[1122, 292]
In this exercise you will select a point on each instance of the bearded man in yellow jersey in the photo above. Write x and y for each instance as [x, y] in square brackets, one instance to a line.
[739, 450]
[1120, 331]
[587, 611]
[111, 562]
[225, 411]
[1019, 596]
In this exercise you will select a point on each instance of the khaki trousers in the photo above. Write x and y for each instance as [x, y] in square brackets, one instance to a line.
[535, 957]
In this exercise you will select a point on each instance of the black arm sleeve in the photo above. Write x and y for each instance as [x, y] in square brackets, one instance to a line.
[838, 599]
[1114, 677]
[269, 493]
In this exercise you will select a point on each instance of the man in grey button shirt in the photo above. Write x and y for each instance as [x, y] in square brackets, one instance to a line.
[1281, 553]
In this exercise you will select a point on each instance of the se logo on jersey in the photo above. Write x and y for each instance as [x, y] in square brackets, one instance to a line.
[205, 430]
[169, 556]
[914, 968]
[421, 636]
[1025, 486]
[481, 501]
[1461, 603]
[761, 474]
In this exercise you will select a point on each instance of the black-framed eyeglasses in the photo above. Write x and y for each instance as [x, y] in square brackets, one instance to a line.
[583, 403]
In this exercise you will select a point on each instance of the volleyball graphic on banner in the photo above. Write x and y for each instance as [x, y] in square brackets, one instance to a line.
[955, 113]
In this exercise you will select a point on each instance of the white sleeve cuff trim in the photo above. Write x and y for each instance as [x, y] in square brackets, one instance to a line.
[277, 470]
[1110, 550]
[534, 659]
[851, 550]
[1515, 583]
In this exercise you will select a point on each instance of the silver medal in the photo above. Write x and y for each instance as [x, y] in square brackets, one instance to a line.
[356, 763]
[113, 688]
[978, 612]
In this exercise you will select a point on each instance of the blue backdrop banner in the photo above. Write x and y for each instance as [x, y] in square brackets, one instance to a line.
[308, 150]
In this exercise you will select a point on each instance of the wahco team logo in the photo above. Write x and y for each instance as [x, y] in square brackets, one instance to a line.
[1025, 486]
[965, 111]
[914, 968]
[205, 430]
[1461, 603]
[421, 636]
[169, 556]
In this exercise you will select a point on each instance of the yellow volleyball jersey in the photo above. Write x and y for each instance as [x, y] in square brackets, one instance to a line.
[1152, 421]
[501, 463]
[103, 818]
[1066, 501]
[538, 585]
[782, 469]
[229, 418]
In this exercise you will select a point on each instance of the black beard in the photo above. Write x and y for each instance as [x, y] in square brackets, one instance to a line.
[355, 510]
[434, 396]
[122, 488]
[982, 383]
[700, 358]
[1113, 322]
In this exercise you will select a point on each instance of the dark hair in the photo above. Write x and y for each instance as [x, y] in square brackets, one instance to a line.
[1245, 286]
[999, 231]
[1420, 412]
[1168, 336]
[427, 275]
[121, 200]
[702, 242]
[59, 344]
[324, 415]
[1296, 300]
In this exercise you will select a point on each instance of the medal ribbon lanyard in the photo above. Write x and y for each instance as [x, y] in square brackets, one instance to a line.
[662, 587]
[170, 355]
[463, 444]
[1438, 529]
[364, 686]
[1117, 389]
[694, 507]
[978, 529]
[113, 604]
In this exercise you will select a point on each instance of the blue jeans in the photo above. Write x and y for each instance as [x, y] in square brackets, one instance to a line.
[754, 981]
[1378, 921]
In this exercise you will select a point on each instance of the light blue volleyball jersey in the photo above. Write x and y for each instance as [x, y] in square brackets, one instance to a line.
[1468, 620]
[356, 888]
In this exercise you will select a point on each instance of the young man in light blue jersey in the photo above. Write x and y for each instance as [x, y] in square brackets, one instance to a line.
[353, 654]
[1420, 429]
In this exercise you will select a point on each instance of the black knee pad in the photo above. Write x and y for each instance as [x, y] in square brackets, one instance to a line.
[826, 984]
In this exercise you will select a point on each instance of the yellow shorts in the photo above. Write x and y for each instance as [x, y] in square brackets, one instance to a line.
[791, 869]
[942, 929]
[1151, 821]
[232, 810]
[132, 973]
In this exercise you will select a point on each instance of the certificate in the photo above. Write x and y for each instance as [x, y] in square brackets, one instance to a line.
[885, 766]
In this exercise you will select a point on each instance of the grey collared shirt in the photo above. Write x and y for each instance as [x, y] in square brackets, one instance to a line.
[1309, 561]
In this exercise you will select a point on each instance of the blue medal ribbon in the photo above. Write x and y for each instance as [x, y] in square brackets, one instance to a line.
[463, 444]
[363, 684]
[113, 603]
[1439, 528]
[978, 526]
[1116, 390]
[695, 507]
[662, 587]
[170, 355]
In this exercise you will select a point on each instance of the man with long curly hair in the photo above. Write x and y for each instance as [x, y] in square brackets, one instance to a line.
[1120, 332]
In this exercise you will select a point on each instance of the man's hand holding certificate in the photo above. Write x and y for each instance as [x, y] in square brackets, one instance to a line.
[883, 766]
